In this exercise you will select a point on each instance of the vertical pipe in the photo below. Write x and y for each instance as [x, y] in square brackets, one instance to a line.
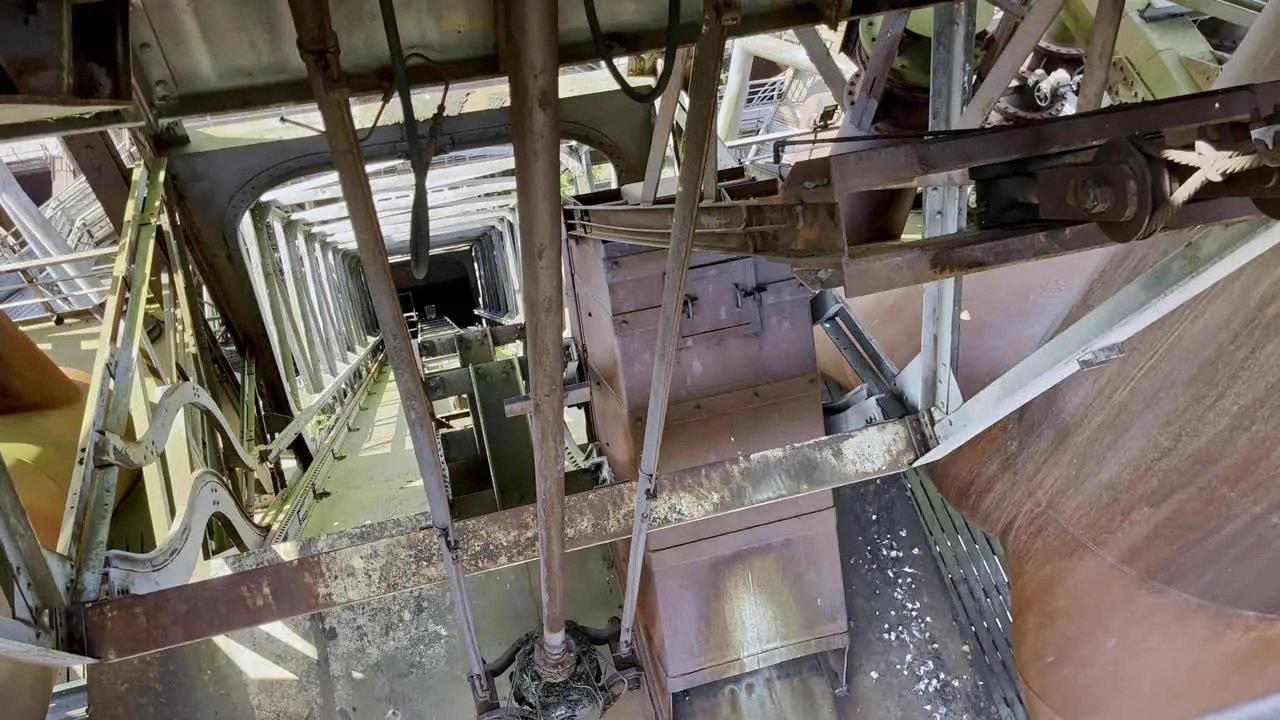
[735, 92]
[534, 51]
[698, 135]
[318, 45]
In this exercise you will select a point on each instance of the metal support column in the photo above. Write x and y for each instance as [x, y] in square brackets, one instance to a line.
[318, 45]
[1097, 58]
[91, 498]
[324, 296]
[533, 48]
[312, 288]
[300, 284]
[366, 300]
[944, 209]
[341, 297]
[695, 146]
[663, 121]
[735, 92]
[293, 344]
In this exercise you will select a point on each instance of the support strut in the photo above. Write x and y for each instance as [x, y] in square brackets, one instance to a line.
[318, 45]
[534, 52]
[699, 128]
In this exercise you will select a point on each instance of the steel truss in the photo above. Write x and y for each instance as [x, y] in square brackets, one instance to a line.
[152, 389]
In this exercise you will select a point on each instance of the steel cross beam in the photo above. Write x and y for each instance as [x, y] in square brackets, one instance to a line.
[392, 556]
[901, 164]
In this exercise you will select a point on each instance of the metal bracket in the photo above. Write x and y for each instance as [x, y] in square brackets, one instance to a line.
[1101, 356]
[174, 560]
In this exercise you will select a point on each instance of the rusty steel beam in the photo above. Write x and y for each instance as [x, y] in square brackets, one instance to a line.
[762, 227]
[884, 266]
[393, 556]
[900, 164]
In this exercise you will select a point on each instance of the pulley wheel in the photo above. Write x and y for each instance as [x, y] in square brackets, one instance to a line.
[1143, 192]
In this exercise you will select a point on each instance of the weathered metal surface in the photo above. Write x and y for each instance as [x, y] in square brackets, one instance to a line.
[798, 688]
[767, 227]
[718, 604]
[358, 662]
[1143, 566]
[396, 555]
[886, 266]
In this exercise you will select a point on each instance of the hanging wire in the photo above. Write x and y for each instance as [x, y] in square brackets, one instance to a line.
[668, 52]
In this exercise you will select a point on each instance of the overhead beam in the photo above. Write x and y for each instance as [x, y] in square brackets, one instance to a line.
[398, 198]
[787, 230]
[575, 47]
[397, 555]
[396, 219]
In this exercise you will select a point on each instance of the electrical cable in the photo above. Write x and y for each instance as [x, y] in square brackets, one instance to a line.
[386, 100]
[668, 52]
[419, 221]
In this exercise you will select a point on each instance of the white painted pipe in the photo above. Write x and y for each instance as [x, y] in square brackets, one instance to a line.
[782, 52]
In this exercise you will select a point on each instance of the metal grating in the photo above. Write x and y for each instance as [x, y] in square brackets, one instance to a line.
[972, 563]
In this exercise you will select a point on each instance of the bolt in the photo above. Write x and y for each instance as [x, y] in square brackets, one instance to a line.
[1092, 196]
